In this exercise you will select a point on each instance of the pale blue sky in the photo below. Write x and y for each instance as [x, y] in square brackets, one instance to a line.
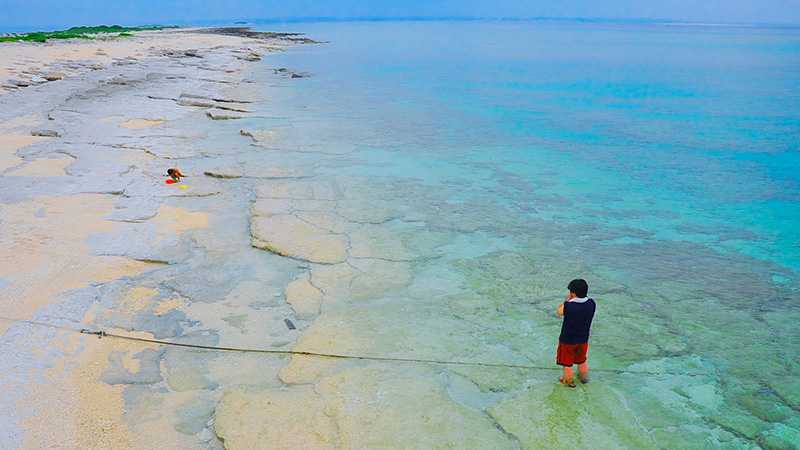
[18, 14]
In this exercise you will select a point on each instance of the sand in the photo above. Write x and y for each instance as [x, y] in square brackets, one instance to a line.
[10, 143]
[172, 220]
[137, 124]
[43, 251]
[49, 167]
[98, 421]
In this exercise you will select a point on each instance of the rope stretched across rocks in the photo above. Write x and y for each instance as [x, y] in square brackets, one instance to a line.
[102, 334]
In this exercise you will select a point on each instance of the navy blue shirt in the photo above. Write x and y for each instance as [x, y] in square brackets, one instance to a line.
[577, 322]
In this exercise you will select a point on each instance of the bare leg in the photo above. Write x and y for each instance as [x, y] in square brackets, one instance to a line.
[568, 374]
[583, 371]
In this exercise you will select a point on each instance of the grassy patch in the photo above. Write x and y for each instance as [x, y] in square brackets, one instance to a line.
[78, 33]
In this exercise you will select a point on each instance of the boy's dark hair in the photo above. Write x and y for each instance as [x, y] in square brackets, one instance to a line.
[579, 287]
[170, 172]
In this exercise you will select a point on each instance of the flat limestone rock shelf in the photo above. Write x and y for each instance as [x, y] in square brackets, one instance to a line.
[287, 235]
[366, 407]
[249, 420]
[94, 238]
[304, 297]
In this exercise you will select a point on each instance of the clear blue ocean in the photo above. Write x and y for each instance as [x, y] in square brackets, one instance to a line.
[660, 163]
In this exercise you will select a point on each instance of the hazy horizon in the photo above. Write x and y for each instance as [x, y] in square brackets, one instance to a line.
[21, 16]
[318, 19]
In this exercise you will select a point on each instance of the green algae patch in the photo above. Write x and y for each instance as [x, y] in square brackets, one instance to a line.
[79, 33]
[551, 416]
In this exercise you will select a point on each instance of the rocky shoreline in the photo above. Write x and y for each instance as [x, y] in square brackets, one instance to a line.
[257, 251]
[24, 72]
[94, 238]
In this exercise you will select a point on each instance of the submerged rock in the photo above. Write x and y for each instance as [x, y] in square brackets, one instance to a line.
[183, 101]
[375, 241]
[215, 115]
[45, 133]
[224, 172]
[193, 415]
[148, 371]
[547, 413]
[274, 172]
[258, 136]
[18, 83]
[121, 80]
[53, 76]
[194, 101]
[298, 190]
[252, 56]
[378, 408]
[780, 437]
[287, 235]
[38, 80]
[215, 99]
[284, 72]
[291, 418]
[304, 297]
[187, 370]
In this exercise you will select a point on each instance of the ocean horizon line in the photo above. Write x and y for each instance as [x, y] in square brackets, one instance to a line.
[334, 19]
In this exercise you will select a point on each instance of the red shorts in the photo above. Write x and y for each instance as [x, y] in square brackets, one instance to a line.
[569, 354]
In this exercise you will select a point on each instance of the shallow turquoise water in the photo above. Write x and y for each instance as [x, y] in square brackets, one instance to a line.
[702, 123]
[660, 163]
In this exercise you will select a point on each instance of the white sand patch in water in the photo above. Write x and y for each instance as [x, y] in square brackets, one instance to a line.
[137, 124]
[79, 410]
[137, 299]
[168, 305]
[43, 250]
[304, 297]
[26, 121]
[50, 167]
[172, 219]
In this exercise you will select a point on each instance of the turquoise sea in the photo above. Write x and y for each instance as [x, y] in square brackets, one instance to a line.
[659, 162]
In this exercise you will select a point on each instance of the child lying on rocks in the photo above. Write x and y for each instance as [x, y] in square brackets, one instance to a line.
[175, 174]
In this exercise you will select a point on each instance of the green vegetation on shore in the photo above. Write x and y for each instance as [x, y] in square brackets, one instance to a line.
[78, 33]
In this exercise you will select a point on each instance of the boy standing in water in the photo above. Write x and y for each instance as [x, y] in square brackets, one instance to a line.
[573, 343]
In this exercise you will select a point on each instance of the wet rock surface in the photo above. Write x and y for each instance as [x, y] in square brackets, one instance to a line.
[288, 73]
[224, 172]
[45, 133]
[115, 137]
[248, 419]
